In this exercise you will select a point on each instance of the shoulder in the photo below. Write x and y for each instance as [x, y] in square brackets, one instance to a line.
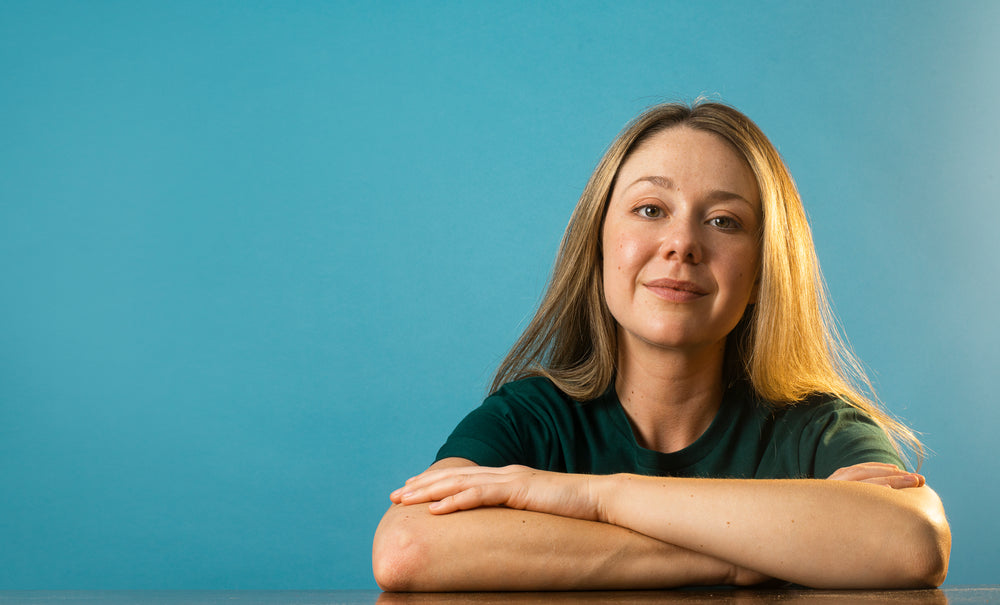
[830, 433]
[532, 390]
[824, 414]
[817, 408]
[522, 422]
[534, 399]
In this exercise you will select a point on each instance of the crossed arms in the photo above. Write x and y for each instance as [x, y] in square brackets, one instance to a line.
[463, 527]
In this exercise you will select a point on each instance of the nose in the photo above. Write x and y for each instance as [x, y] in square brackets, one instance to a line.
[682, 241]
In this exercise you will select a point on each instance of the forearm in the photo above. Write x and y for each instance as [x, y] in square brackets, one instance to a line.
[817, 533]
[504, 549]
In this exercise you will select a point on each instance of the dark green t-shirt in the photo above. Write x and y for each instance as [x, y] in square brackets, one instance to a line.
[533, 423]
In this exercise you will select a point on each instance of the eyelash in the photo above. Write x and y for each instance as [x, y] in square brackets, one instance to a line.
[733, 224]
[643, 211]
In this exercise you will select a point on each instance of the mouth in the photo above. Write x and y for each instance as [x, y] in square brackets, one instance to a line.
[675, 290]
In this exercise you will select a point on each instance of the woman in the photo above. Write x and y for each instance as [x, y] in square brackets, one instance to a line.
[673, 412]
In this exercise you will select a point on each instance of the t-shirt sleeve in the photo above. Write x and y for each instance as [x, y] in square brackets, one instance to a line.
[487, 436]
[839, 435]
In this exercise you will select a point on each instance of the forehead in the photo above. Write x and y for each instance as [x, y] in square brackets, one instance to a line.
[692, 159]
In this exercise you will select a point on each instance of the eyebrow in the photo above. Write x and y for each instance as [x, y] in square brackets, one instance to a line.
[666, 183]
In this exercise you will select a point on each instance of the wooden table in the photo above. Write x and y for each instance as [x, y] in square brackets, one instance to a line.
[951, 595]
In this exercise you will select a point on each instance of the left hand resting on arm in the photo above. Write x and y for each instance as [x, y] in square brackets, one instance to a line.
[851, 532]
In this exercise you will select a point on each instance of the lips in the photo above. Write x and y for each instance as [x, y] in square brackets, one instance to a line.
[675, 290]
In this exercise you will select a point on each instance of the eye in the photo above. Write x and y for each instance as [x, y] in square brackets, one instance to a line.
[649, 211]
[726, 223]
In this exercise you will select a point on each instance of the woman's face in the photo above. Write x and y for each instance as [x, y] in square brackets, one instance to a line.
[680, 241]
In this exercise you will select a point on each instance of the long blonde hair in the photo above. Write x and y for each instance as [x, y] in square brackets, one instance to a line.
[788, 345]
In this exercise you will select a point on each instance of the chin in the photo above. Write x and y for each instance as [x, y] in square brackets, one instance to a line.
[675, 342]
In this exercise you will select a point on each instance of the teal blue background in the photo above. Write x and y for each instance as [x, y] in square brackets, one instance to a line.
[257, 259]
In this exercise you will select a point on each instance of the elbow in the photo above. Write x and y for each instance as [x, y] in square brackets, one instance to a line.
[929, 565]
[392, 569]
[925, 565]
[398, 556]
[908, 547]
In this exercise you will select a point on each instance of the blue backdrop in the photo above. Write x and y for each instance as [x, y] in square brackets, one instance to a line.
[257, 259]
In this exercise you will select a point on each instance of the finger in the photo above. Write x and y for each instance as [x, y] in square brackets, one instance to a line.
[898, 481]
[866, 476]
[447, 485]
[860, 472]
[868, 467]
[430, 477]
[443, 472]
[879, 473]
[474, 497]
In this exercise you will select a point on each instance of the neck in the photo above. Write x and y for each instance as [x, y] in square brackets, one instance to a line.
[670, 396]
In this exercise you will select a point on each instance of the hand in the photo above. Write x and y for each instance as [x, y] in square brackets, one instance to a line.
[878, 473]
[462, 488]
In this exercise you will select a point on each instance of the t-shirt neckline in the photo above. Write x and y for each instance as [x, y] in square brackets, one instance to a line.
[659, 463]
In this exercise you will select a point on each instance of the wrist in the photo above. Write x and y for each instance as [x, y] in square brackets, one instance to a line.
[606, 491]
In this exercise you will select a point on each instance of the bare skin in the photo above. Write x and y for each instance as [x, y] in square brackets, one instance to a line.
[497, 548]
[769, 526]
[681, 251]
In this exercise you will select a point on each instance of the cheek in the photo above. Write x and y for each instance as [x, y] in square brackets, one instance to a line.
[746, 273]
[620, 253]
[622, 261]
[611, 250]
